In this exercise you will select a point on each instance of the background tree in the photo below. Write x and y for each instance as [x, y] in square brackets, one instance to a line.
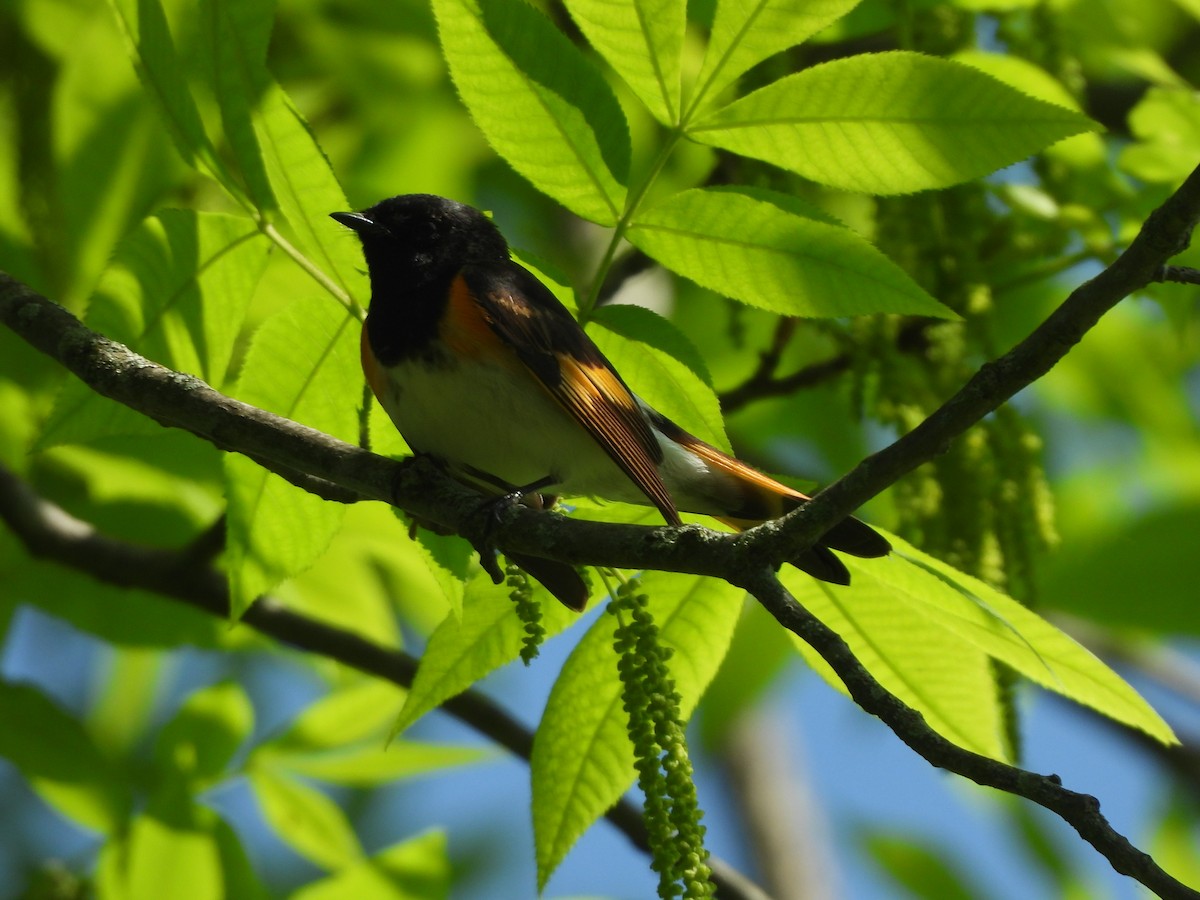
[820, 174]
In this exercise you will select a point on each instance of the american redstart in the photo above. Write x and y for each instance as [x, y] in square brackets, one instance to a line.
[481, 367]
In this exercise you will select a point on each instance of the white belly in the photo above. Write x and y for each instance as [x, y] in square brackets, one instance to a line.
[501, 422]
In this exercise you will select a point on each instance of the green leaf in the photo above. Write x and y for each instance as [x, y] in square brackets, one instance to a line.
[889, 123]
[1095, 574]
[377, 571]
[643, 41]
[1007, 631]
[307, 191]
[240, 879]
[385, 439]
[233, 58]
[112, 160]
[539, 103]
[1025, 76]
[306, 819]
[173, 840]
[921, 870]
[205, 733]
[340, 738]
[417, 869]
[365, 604]
[797, 206]
[762, 255]
[550, 275]
[461, 652]
[124, 704]
[1166, 123]
[148, 36]
[60, 761]
[993, 6]
[1082, 150]
[582, 758]
[450, 561]
[745, 32]
[949, 681]
[357, 712]
[303, 365]
[374, 764]
[759, 651]
[641, 324]
[176, 292]
[1174, 843]
[1190, 6]
[666, 384]
[172, 850]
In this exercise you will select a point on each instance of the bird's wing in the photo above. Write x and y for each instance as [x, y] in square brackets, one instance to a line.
[549, 343]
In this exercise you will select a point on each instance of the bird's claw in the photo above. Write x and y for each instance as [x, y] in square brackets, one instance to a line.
[492, 510]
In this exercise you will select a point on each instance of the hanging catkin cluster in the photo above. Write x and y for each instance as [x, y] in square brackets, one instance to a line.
[529, 611]
[672, 813]
[984, 506]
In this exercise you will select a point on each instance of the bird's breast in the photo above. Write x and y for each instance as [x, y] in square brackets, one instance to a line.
[483, 414]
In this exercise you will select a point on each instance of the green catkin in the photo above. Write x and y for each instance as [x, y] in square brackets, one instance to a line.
[984, 506]
[529, 611]
[664, 768]
[1025, 500]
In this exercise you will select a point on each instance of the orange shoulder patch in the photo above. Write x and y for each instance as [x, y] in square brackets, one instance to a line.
[464, 328]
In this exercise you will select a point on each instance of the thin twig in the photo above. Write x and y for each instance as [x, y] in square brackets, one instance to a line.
[630, 265]
[1179, 274]
[760, 387]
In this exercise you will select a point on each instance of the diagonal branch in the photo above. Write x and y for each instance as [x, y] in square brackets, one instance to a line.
[50, 532]
[1165, 233]
[1080, 811]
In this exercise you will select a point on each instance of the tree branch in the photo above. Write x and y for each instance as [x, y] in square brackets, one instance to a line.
[50, 532]
[761, 385]
[182, 401]
[1080, 811]
[747, 560]
[763, 382]
[1165, 233]
[786, 831]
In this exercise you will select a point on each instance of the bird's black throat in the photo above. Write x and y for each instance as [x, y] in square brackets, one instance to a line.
[402, 321]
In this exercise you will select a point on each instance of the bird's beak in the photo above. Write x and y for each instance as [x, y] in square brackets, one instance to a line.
[357, 221]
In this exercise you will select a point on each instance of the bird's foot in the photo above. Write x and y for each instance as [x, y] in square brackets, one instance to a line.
[493, 509]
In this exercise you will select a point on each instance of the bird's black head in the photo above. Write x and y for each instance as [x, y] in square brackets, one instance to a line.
[423, 236]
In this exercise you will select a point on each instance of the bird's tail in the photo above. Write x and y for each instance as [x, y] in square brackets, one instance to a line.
[850, 535]
[760, 498]
[559, 578]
